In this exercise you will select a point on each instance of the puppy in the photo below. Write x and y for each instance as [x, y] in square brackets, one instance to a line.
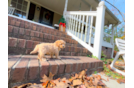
[49, 48]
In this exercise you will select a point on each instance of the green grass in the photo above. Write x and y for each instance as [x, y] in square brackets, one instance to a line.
[110, 73]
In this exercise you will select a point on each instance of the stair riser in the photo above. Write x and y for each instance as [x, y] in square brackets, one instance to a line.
[28, 68]
[22, 46]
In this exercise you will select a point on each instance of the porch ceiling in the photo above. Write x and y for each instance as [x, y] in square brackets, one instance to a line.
[74, 5]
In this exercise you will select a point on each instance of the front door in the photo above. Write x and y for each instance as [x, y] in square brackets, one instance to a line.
[46, 16]
[31, 11]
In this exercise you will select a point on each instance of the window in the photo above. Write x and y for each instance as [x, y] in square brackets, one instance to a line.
[20, 7]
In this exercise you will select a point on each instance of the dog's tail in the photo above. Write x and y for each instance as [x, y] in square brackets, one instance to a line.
[35, 49]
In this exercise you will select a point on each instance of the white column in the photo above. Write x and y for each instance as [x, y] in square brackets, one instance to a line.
[99, 31]
[112, 40]
[65, 8]
[112, 34]
[88, 30]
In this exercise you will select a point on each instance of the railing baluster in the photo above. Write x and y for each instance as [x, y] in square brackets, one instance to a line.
[79, 26]
[69, 23]
[76, 25]
[90, 33]
[82, 26]
[86, 28]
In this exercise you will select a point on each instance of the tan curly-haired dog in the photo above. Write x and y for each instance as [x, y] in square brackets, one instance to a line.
[49, 48]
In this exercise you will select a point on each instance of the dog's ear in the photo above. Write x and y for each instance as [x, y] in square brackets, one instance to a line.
[58, 42]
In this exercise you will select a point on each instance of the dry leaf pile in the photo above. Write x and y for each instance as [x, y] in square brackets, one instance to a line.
[80, 80]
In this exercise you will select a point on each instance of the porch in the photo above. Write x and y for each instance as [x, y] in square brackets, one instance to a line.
[57, 11]
[22, 8]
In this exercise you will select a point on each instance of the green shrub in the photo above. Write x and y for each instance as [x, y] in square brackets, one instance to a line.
[102, 54]
[95, 72]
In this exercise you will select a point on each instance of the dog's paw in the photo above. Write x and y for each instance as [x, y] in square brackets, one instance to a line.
[44, 59]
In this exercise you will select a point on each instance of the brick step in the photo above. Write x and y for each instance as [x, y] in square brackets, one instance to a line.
[15, 22]
[33, 30]
[23, 46]
[37, 35]
[25, 68]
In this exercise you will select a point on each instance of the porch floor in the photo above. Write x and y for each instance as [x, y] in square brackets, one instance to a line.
[25, 68]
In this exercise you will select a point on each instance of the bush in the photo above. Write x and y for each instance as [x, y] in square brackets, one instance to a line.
[103, 55]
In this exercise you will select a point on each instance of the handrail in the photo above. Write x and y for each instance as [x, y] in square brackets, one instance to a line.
[107, 34]
[89, 13]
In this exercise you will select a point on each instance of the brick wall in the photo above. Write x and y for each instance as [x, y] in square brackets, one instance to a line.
[23, 36]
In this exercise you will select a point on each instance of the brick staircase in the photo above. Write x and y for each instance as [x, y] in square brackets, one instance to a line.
[26, 68]
[22, 38]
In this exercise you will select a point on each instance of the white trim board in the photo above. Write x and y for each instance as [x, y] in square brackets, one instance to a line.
[31, 21]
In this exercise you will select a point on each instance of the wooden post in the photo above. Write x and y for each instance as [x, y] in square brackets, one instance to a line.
[65, 8]
[99, 31]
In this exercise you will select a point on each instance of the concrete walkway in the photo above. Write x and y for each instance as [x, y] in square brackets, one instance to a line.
[113, 83]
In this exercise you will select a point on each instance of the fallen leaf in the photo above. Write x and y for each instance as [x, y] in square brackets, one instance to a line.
[62, 85]
[47, 81]
[76, 82]
[94, 75]
[98, 77]
[104, 79]
[96, 81]
[58, 79]
[45, 84]
[86, 84]
[100, 83]
[45, 78]
[82, 73]
[99, 86]
[65, 81]
[88, 78]
[121, 81]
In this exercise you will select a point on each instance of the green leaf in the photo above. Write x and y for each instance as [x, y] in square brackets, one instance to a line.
[105, 62]
[102, 58]
[95, 72]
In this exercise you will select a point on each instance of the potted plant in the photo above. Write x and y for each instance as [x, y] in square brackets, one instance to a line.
[62, 24]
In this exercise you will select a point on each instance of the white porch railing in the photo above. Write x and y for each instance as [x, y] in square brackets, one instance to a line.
[78, 24]
[11, 10]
